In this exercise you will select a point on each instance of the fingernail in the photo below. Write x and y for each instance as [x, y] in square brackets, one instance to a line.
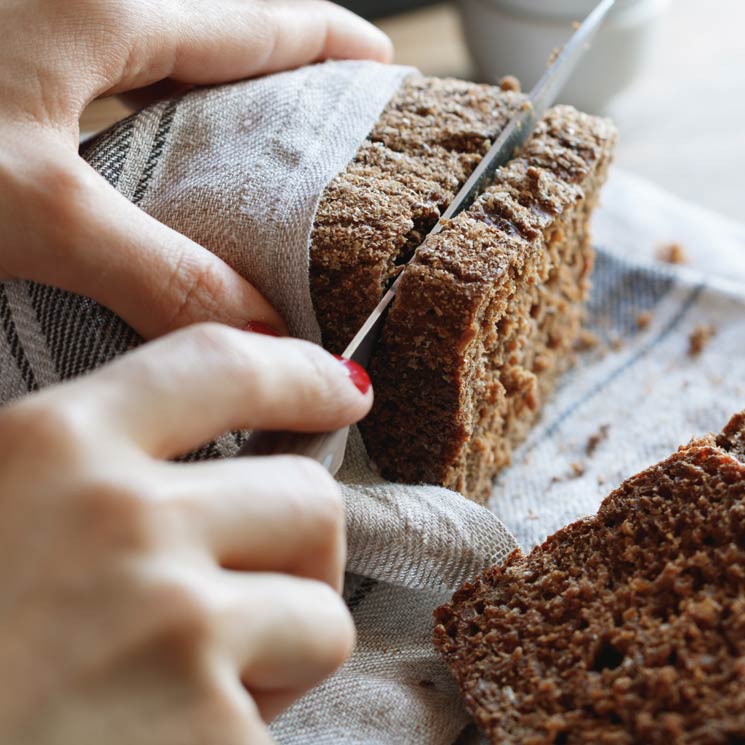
[257, 327]
[357, 374]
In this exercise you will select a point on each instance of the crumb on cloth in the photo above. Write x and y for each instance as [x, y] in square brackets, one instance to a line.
[585, 341]
[616, 343]
[576, 471]
[643, 320]
[672, 253]
[699, 339]
[595, 440]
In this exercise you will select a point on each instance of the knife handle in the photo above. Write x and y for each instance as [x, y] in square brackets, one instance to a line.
[326, 447]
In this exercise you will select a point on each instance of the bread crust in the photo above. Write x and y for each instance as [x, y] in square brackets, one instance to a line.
[627, 627]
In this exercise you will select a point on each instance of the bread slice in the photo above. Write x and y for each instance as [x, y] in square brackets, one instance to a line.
[372, 216]
[627, 628]
[488, 310]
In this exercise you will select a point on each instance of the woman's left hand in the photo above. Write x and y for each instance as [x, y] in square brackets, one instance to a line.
[62, 223]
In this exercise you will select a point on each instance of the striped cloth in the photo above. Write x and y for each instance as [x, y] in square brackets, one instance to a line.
[239, 170]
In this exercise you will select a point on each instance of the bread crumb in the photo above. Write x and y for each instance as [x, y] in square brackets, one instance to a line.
[616, 343]
[532, 515]
[576, 471]
[510, 83]
[586, 340]
[643, 320]
[599, 437]
[672, 253]
[699, 339]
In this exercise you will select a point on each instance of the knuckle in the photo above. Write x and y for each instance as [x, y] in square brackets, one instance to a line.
[183, 615]
[110, 14]
[326, 386]
[338, 625]
[198, 285]
[344, 642]
[119, 12]
[313, 474]
[320, 497]
[133, 513]
[321, 385]
[60, 431]
[120, 513]
[65, 191]
[215, 346]
[210, 339]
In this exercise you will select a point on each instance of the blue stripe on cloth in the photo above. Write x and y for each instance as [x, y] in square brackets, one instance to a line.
[550, 429]
[620, 292]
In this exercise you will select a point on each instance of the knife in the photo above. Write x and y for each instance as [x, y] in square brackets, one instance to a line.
[328, 447]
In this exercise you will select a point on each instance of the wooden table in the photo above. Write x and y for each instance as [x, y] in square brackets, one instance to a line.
[682, 125]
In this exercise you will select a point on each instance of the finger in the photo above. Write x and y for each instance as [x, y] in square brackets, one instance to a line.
[282, 514]
[285, 633]
[272, 703]
[226, 40]
[232, 704]
[73, 230]
[182, 391]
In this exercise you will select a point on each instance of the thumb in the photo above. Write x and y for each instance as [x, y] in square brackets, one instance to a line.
[78, 233]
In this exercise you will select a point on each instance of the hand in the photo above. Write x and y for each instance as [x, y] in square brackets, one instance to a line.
[62, 223]
[151, 602]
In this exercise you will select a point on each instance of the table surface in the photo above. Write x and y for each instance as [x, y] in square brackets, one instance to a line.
[682, 124]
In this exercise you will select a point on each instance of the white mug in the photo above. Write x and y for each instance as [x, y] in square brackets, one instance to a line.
[517, 37]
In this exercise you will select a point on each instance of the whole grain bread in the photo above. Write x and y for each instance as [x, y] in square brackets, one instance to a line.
[488, 310]
[376, 212]
[626, 628]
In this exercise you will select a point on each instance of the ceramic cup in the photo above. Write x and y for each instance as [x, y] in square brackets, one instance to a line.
[517, 37]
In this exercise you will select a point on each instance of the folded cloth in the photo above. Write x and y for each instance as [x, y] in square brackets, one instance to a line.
[240, 169]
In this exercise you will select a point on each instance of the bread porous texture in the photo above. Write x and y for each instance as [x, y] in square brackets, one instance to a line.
[488, 310]
[374, 214]
[626, 628]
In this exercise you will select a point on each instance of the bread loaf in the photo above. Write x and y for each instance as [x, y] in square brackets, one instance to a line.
[488, 310]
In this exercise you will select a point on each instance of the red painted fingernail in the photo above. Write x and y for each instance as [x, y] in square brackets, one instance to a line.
[257, 327]
[357, 374]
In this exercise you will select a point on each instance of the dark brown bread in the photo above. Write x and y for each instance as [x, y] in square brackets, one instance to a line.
[627, 628]
[487, 313]
[488, 310]
[374, 214]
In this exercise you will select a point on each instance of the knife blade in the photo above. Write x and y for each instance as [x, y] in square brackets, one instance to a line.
[328, 447]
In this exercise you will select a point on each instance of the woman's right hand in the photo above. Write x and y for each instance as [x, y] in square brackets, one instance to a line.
[151, 602]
